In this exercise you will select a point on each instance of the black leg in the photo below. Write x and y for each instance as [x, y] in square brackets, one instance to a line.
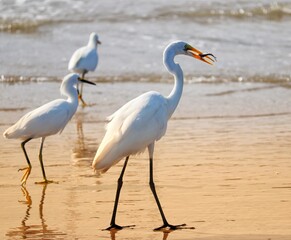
[166, 225]
[28, 169]
[80, 91]
[153, 188]
[45, 181]
[40, 159]
[113, 225]
[23, 148]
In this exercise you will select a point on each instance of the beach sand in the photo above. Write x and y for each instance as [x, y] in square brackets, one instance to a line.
[223, 166]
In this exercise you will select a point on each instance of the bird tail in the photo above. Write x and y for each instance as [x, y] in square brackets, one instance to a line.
[9, 133]
[104, 159]
[6, 134]
[110, 152]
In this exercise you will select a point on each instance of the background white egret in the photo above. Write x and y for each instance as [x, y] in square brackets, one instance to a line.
[142, 121]
[85, 59]
[46, 120]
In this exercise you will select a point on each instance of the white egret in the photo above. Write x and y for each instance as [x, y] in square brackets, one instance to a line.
[143, 121]
[49, 119]
[85, 59]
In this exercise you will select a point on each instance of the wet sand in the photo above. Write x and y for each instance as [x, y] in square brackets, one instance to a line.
[223, 167]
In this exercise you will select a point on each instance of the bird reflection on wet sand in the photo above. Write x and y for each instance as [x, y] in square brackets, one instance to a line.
[82, 152]
[35, 231]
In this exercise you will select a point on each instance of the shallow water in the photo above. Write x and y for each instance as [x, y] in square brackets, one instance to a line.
[223, 167]
[251, 40]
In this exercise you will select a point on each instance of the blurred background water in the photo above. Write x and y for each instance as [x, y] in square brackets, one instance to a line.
[251, 39]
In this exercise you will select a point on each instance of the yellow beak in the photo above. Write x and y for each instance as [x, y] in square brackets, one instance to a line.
[205, 57]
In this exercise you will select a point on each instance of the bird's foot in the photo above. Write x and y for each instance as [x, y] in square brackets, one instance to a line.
[115, 227]
[22, 169]
[46, 182]
[25, 175]
[168, 227]
[84, 104]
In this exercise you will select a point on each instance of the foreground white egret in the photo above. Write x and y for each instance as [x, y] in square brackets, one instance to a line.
[46, 120]
[142, 121]
[85, 59]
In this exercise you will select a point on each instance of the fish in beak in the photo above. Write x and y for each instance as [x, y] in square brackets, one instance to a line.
[205, 57]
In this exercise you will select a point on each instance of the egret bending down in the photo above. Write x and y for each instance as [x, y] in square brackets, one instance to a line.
[46, 120]
[143, 121]
[85, 59]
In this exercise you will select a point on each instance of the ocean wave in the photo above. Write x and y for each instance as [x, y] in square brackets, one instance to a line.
[206, 13]
[273, 12]
[283, 80]
[27, 16]
[13, 79]
[17, 25]
[263, 115]
[276, 79]
[30, 15]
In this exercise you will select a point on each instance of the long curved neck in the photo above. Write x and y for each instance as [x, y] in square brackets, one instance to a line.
[92, 43]
[176, 93]
[70, 92]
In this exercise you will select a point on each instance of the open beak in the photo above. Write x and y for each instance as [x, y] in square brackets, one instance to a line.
[205, 57]
[86, 81]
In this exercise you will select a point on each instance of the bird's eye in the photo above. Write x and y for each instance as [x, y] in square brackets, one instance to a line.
[187, 47]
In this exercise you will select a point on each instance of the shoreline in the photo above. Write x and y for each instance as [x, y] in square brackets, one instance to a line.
[283, 80]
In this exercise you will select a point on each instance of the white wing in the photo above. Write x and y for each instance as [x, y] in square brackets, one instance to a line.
[83, 59]
[132, 128]
[46, 120]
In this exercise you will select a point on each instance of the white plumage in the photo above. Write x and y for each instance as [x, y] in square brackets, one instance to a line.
[141, 122]
[49, 119]
[85, 59]
[132, 128]
[39, 122]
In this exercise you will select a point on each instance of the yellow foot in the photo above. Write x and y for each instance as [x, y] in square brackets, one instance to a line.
[46, 182]
[22, 169]
[25, 175]
[84, 104]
